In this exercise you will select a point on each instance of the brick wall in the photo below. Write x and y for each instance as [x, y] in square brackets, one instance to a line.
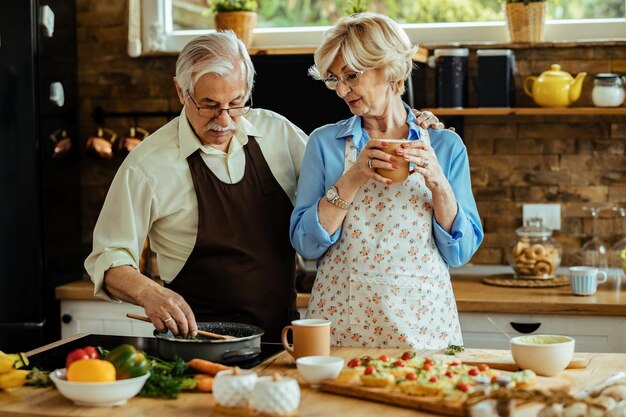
[574, 161]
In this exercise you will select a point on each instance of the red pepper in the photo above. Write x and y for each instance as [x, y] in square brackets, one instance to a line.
[92, 352]
[88, 352]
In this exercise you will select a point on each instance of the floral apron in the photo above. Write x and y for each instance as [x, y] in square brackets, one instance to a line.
[384, 283]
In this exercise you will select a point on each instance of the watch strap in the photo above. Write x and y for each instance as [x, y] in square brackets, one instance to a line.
[338, 201]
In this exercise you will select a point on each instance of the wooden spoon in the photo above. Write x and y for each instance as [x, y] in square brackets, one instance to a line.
[202, 332]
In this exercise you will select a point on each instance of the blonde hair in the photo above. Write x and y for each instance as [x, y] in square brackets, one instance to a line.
[367, 41]
[216, 53]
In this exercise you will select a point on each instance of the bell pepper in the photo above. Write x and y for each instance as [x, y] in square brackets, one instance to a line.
[87, 352]
[128, 361]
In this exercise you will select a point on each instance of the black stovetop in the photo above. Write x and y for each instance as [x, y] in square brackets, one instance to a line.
[54, 358]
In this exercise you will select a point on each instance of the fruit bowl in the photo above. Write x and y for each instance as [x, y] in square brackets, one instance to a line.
[98, 394]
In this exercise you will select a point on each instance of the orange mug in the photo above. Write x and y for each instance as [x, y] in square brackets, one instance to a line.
[395, 175]
[311, 337]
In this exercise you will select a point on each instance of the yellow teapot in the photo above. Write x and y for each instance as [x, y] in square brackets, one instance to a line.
[554, 88]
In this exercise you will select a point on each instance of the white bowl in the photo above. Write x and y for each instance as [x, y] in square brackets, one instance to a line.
[98, 394]
[547, 355]
[315, 369]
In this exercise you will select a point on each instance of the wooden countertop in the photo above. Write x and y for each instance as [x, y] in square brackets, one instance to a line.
[48, 402]
[474, 296]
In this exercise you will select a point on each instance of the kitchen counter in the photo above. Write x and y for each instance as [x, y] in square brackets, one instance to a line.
[473, 296]
[48, 402]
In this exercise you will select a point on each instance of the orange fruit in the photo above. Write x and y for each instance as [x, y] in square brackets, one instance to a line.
[91, 370]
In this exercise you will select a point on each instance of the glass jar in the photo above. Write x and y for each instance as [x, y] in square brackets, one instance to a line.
[608, 90]
[535, 254]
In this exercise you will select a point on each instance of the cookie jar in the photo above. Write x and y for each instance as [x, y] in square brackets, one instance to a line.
[232, 388]
[535, 254]
[276, 395]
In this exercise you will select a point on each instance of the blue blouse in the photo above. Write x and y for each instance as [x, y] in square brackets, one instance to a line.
[323, 165]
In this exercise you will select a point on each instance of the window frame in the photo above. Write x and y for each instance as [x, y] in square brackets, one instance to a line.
[151, 32]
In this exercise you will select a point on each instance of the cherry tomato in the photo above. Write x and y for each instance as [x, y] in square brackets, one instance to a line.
[369, 370]
[426, 366]
[432, 379]
[74, 356]
[354, 363]
[429, 361]
[473, 372]
[449, 374]
[398, 363]
[384, 358]
[494, 379]
[411, 376]
[483, 367]
[92, 352]
[454, 364]
[365, 359]
[463, 387]
[407, 356]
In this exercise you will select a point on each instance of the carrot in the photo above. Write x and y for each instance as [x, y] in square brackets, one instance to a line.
[204, 383]
[207, 367]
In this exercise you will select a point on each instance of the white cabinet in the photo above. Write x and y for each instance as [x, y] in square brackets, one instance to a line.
[592, 333]
[102, 317]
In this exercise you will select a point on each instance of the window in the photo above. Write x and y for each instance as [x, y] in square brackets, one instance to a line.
[158, 26]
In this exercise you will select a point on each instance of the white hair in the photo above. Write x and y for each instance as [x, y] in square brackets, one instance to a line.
[367, 41]
[216, 53]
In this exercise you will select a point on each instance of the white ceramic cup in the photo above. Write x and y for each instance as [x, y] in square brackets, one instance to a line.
[584, 279]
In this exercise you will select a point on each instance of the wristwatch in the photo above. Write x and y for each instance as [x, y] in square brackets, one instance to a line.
[332, 195]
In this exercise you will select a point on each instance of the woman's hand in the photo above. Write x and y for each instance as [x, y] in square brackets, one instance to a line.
[422, 156]
[444, 202]
[372, 157]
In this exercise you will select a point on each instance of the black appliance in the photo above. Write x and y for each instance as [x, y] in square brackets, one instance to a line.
[40, 239]
[451, 77]
[496, 77]
[54, 357]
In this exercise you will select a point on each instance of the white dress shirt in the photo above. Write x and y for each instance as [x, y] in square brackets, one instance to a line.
[153, 194]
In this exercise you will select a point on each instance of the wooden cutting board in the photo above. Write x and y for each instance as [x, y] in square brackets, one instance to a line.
[503, 360]
[454, 407]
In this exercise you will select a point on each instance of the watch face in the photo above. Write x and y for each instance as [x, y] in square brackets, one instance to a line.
[331, 193]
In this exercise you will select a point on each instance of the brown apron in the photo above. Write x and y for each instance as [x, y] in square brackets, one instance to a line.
[242, 267]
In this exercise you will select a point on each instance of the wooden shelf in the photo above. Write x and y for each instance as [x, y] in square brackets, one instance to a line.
[420, 56]
[529, 111]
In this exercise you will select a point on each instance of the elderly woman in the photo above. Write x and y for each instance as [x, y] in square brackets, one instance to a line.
[383, 248]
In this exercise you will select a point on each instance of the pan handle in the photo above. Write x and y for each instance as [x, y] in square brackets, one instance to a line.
[242, 354]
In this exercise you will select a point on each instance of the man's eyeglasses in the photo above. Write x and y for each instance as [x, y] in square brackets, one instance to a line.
[214, 111]
[350, 79]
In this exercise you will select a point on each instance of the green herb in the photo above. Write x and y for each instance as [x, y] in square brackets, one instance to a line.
[356, 6]
[524, 1]
[452, 349]
[38, 378]
[168, 378]
[233, 5]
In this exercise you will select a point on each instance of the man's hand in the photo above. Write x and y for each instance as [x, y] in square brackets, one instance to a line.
[168, 310]
[165, 308]
[427, 120]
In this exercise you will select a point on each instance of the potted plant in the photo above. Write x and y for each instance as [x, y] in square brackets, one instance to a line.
[237, 15]
[525, 20]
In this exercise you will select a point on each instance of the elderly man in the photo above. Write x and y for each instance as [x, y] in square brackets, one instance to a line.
[214, 190]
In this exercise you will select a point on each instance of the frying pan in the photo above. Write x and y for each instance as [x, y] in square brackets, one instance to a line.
[245, 345]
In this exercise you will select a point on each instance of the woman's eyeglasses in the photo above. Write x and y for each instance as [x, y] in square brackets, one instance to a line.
[350, 79]
[215, 111]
